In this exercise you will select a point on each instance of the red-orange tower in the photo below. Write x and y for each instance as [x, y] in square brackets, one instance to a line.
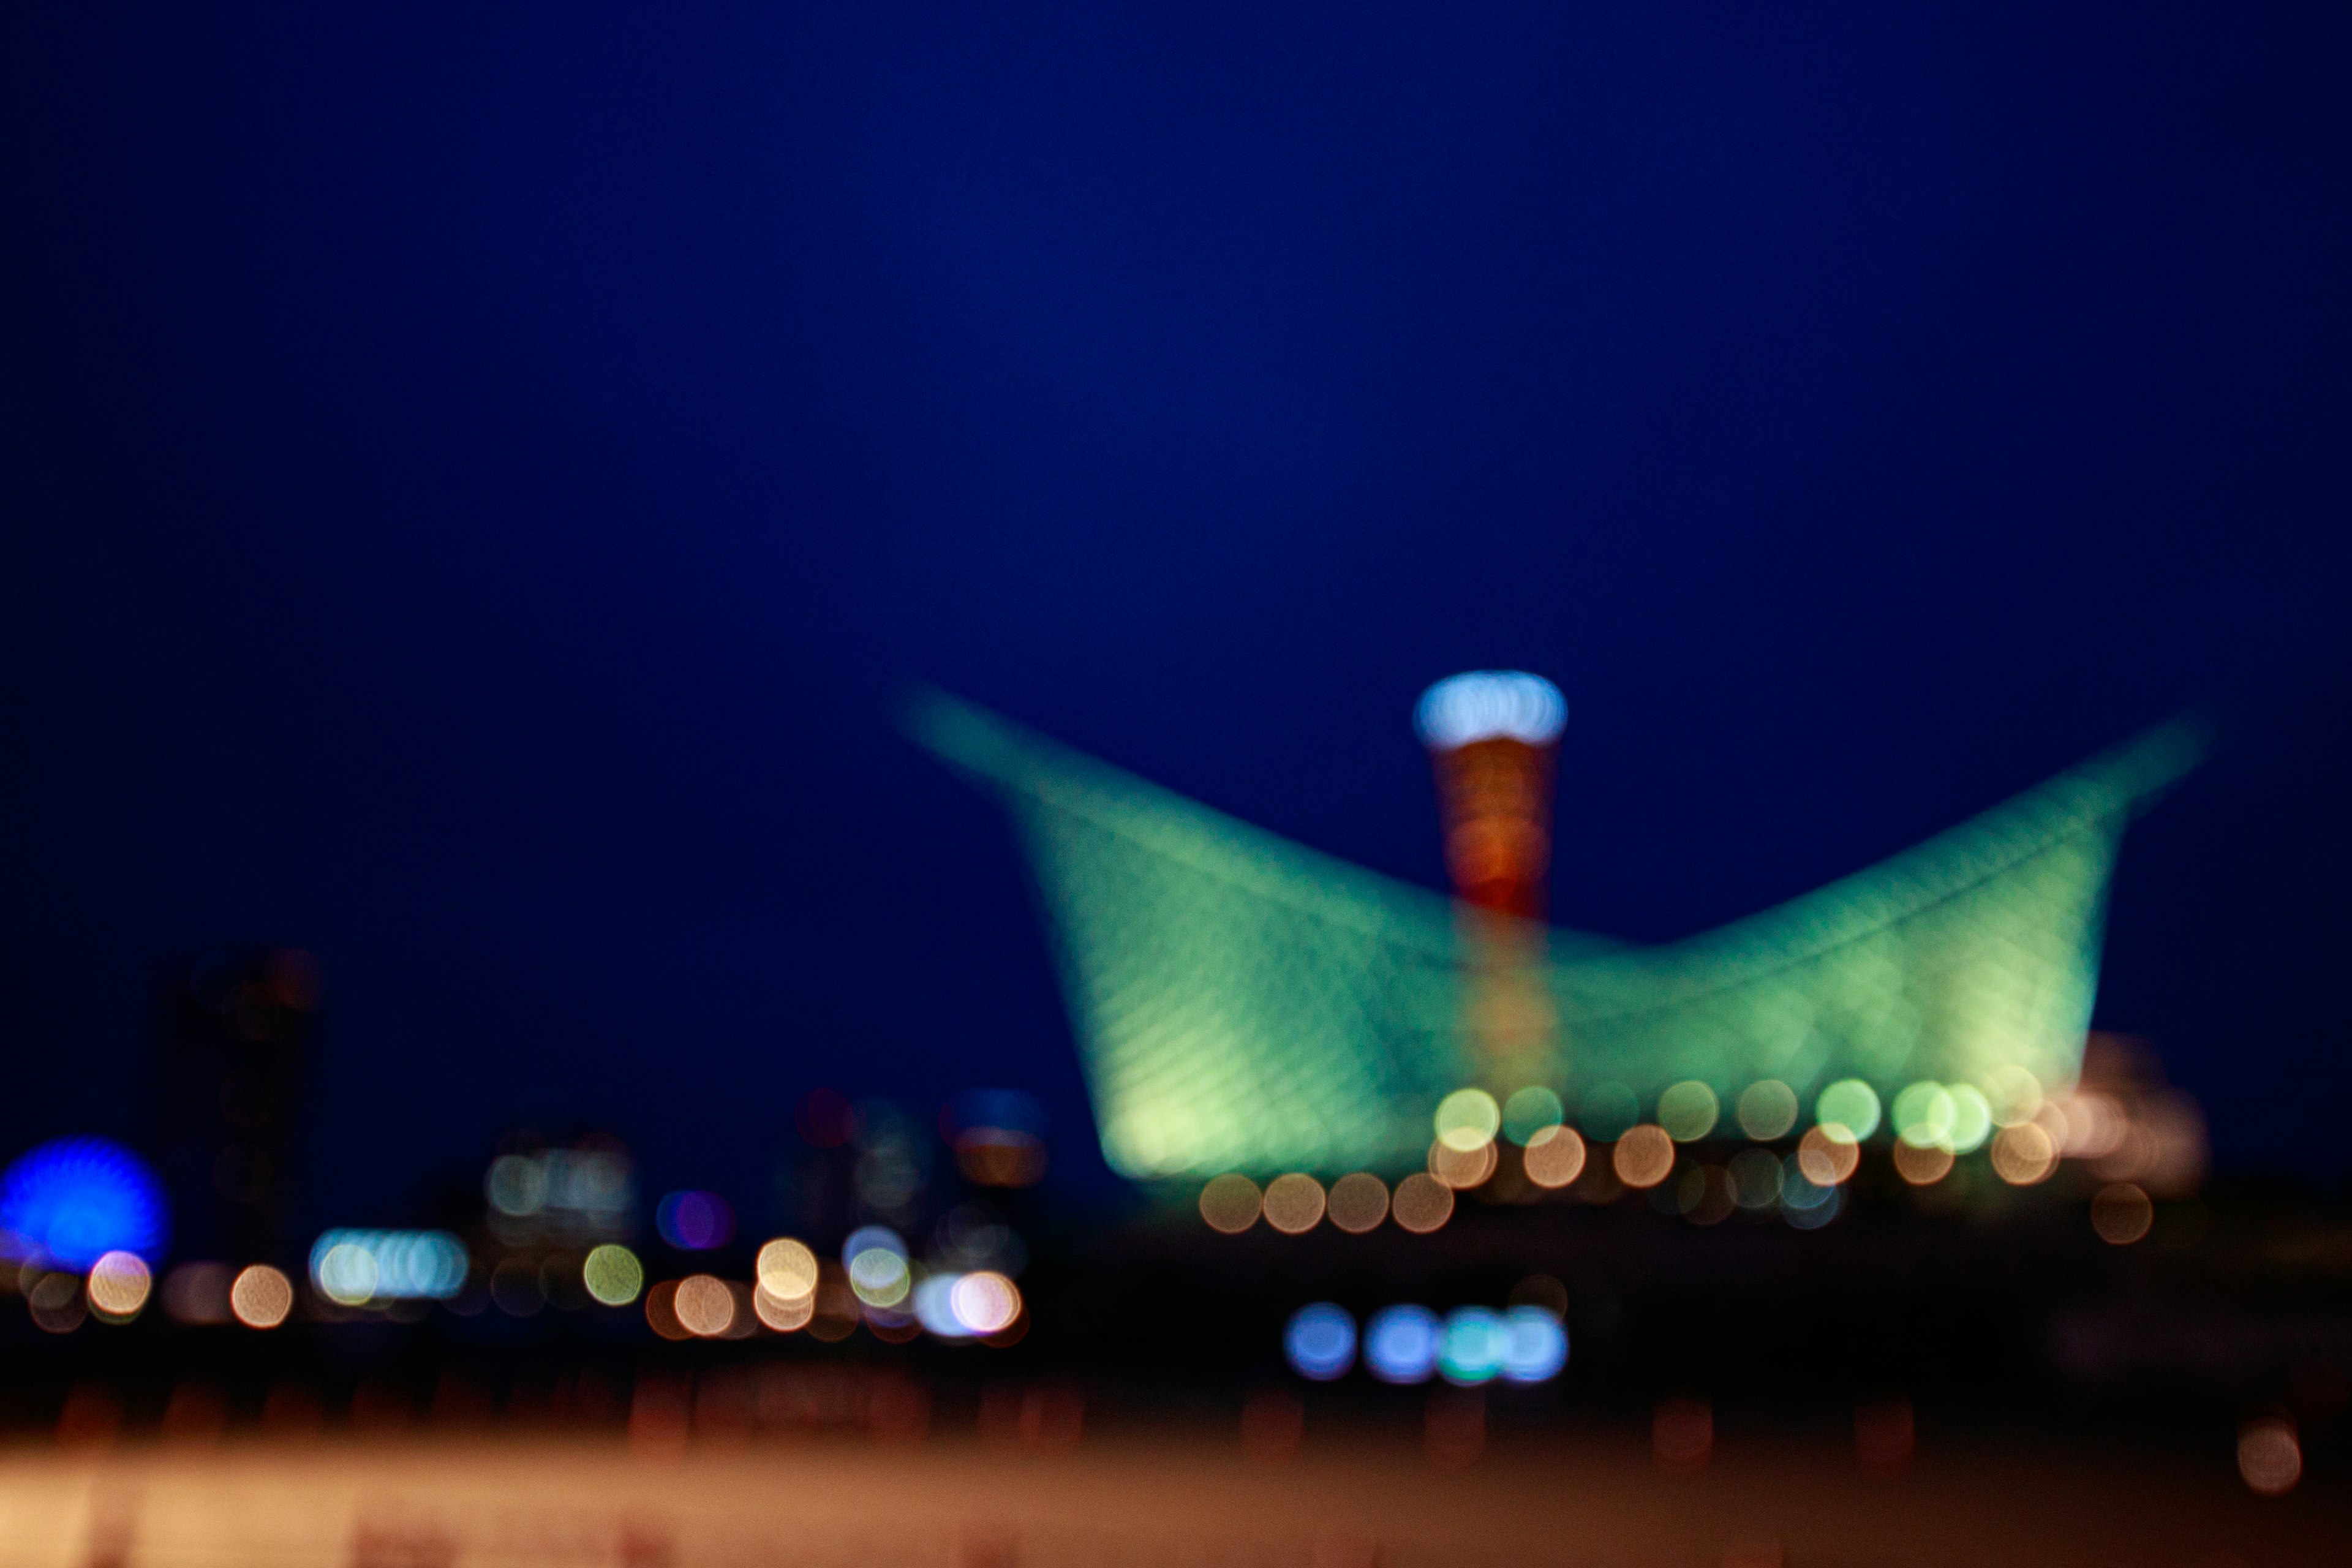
[1492, 735]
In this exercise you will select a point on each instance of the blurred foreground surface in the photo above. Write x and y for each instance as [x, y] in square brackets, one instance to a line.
[1348, 1501]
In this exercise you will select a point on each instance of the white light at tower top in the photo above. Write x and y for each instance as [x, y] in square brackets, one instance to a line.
[1490, 705]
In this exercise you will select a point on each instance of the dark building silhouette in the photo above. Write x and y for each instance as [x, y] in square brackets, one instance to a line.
[233, 1030]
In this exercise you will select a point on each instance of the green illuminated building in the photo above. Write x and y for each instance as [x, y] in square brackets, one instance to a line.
[1246, 1004]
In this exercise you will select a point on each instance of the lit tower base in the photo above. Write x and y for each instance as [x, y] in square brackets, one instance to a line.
[1492, 735]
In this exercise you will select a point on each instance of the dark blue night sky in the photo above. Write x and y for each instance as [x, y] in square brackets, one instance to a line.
[478, 487]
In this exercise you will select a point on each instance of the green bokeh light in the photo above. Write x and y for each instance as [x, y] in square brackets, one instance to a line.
[1852, 1104]
[1687, 1111]
[1767, 1110]
[612, 1275]
[1971, 1119]
[1246, 1004]
[1529, 1111]
[1467, 1118]
[1924, 1115]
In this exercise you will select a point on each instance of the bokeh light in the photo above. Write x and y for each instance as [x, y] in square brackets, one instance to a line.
[1555, 1156]
[2122, 1214]
[1230, 1203]
[1922, 1166]
[2013, 1094]
[1971, 1118]
[1767, 1110]
[787, 1314]
[2024, 1154]
[1462, 1168]
[352, 1268]
[1400, 1343]
[613, 1274]
[1467, 1118]
[661, 1311]
[1359, 1201]
[1294, 1203]
[1535, 1344]
[1849, 1103]
[1421, 1204]
[261, 1297]
[198, 1293]
[836, 1310]
[1828, 1154]
[57, 1302]
[71, 1200]
[1814, 1215]
[984, 1301]
[786, 1268]
[1688, 1111]
[1530, 1112]
[516, 1185]
[704, 1305]
[1319, 1342]
[2094, 1125]
[1805, 1203]
[695, 1221]
[1704, 1195]
[876, 1258]
[1645, 1156]
[932, 1305]
[118, 1287]
[2270, 1456]
[1472, 1346]
[572, 1195]
[1756, 1178]
[1925, 1115]
[344, 1274]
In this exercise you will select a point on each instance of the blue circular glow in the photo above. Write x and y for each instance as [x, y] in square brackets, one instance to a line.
[1320, 1342]
[355, 1267]
[1473, 1347]
[695, 1222]
[76, 1199]
[874, 1237]
[1800, 1192]
[935, 1307]
[1401, 1345]
[1819, 1213]
[1535, 1346]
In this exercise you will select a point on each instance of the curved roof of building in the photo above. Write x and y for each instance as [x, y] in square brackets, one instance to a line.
[1245, 1002]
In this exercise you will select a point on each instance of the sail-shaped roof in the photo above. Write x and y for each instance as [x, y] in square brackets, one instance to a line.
[1244, 1003]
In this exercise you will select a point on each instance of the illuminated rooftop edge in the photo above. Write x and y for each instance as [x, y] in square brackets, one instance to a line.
[1488, 705]
[1244, 1003]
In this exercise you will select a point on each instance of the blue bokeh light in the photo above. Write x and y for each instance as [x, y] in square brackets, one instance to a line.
[355, 1267]
[1471, 1349]
[75, 1199]
[1535, 1345]
[1320, 1342]
[695, 1222]
[1401, 1345]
